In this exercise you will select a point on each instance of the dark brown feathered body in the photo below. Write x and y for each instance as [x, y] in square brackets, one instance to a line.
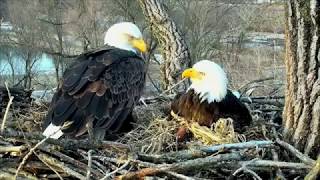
[100, 87]
[189, 107]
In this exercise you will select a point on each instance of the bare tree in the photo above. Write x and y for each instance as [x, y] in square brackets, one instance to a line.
[52, 23]
[301, 112]
[8, 55]
[203, 24]
[174, 49]
[26, 36]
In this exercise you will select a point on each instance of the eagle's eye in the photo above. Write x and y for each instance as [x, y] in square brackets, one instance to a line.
[202, 73]
[128, 37]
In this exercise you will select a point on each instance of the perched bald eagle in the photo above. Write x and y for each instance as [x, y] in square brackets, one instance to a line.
[208, 99]
[100, 89]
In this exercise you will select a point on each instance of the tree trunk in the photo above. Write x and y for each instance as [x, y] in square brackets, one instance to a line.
[302, 105]
[59, 30]
[174, 49]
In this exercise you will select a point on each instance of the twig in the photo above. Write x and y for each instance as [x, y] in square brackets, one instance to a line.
[153, 83]
[245, 169]
[267, 97]
[7, 174]
[315, 171]
[279, 164]
[18, 149]
[185, 166]
[171, 157]
[7, 87]
[305, 159]
[97, 168]
[70, 144]
[117, 170]
[89, 164]
[254, 174]
[7, 108]
[275, 157]
[243, 145]
[179, 176]
[44, 162]
[255, 81]
[158, 98]
[172, 87]
[59, 165]
[274, 102]
[198, 152]
[71, 160]
[25, 158]
[143, 102]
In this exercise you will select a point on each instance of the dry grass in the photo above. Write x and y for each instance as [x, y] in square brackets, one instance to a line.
[220, 132]
[158, 136]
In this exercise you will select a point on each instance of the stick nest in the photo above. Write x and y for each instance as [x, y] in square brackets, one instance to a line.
[150, 149]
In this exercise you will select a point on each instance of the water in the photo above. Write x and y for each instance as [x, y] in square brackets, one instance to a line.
[258, 40]
[43, 64]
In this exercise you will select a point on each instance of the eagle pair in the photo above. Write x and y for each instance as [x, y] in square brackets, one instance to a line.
[100, 89]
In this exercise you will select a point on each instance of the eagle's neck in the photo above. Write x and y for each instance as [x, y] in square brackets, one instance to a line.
[209, 92]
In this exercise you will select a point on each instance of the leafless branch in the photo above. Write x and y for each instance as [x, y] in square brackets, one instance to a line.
[305, 159]
[7, 108]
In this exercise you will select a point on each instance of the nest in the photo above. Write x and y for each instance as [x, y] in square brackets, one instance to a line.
[150, 149]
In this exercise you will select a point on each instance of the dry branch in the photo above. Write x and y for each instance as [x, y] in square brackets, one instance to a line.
[277, 164]
[89, 164]
[179, 176]
[70, 160]
[60, 166]
[171, 157]
[274, 102]
[247, 85]
[57, 173]
[198, 152]
[244, 145]
[7, 108]
[18, 149]
[21, 98]
[304, 158]
[117, 170]
[315, 171]
[71, 144]
[190, 165]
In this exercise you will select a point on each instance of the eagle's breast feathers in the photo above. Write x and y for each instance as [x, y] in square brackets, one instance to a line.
[191, 107]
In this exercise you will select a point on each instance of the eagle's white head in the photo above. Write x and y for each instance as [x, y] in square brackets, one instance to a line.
[208, 80]
[127, 36]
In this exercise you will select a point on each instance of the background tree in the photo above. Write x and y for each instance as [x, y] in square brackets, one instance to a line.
[26, 37]
[203, 24]
[174, 49]
[302, 104]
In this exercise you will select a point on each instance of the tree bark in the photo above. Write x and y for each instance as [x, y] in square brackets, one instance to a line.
[302, 104]
[174, 49]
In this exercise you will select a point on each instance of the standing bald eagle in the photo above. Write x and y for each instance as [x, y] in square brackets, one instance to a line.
[208, 98]
[99, 90]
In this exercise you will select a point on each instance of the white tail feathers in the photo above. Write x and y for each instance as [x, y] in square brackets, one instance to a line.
[53, 131]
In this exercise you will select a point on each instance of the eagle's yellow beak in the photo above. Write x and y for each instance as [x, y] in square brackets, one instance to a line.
[192, 74]
[139, 44]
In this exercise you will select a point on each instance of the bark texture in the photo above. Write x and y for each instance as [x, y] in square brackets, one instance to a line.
[302, 106]
[174, 49]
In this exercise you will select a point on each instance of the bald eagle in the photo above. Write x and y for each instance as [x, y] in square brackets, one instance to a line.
[208, 99]
[100, 89]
